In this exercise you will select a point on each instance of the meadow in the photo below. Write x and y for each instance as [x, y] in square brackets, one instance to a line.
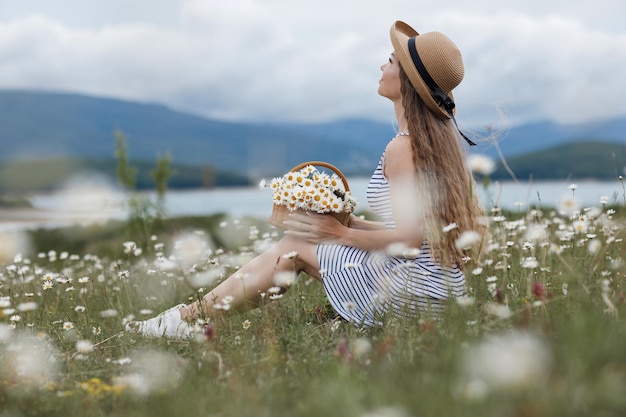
[541, 331]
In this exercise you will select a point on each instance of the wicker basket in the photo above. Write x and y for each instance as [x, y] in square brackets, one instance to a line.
[281, 213]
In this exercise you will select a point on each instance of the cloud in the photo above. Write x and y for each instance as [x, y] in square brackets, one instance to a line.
[281, 60]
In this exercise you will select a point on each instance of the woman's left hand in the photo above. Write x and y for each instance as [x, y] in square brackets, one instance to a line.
[314, 227]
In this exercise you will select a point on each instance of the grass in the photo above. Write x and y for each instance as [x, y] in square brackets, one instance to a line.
[541, 332]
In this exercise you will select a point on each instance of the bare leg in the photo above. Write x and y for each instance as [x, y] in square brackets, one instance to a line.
[256, 277]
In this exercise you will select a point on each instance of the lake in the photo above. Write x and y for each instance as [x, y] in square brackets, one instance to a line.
[88, 204]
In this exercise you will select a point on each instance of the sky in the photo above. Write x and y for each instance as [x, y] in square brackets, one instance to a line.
[318, 60]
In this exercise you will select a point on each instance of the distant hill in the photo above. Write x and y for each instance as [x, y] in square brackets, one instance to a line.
[35, 125]
[578, 160]
[532, 137]
[38, 125]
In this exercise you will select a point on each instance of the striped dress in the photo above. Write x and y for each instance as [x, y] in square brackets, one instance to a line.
[364, 286]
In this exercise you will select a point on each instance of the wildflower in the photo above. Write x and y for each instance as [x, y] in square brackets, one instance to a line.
[501, 311]
[84, 346]
[465, 301]
[227, 299]
[580, 225]
[538, 290]
[509, 361]
[569, 205]
[285, 279]
[79, 309]
[530, 263]
[573, 187]
[123, 274]
[360, 347]
[536, 233]
[83, 280]
[246, 324]
[47, 285]
[129, 247]
[477, 271]
[594, 246]
[237, 340]
[29, 306]
[467, 240]
[262, 184]
[556, 249]
[209, 332]
[68, 325]
[96, 330]
[15, 318]
[111, 312]
[481, 164]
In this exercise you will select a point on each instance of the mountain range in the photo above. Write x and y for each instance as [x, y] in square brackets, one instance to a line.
[43, 125]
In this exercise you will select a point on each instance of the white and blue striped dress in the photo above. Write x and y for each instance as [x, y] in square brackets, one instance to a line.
[364, 286]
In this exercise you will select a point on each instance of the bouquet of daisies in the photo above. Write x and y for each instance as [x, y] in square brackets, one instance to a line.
[306, 188]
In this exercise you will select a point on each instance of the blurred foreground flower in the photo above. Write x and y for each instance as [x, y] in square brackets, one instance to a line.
[481, 164]
[506, 362]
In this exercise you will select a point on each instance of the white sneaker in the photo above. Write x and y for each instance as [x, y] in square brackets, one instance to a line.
[167, 324]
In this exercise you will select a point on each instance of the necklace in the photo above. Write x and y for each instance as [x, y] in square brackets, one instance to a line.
[402, 133]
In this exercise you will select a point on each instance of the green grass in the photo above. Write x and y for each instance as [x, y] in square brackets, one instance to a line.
[557, 348]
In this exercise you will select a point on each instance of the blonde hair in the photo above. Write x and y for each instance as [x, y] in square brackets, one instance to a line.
[440, 167]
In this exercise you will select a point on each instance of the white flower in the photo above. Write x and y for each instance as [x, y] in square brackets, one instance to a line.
[594, 246]
[580, 225]
[507, 362]
[569, 205]
[109, 313]
[465, 301]
[536, 233]
[68, 325]
[360, 347]
[84, 346]
[29, 306]
[481, 164]
[285, 279]
[467, 239]
[530, 263]
[501, 311]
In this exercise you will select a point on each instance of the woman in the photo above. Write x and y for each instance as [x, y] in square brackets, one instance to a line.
[422, 189]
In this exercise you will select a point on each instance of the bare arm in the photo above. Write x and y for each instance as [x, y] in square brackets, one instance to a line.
[363, 224]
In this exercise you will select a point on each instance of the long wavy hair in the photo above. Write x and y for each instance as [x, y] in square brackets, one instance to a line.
[447, 189]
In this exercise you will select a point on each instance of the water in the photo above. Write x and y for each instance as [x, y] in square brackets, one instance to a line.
[69, 207]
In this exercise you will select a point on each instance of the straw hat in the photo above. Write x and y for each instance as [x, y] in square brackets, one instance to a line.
[432, 62]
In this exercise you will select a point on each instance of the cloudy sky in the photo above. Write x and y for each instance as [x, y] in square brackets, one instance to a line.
[314, 60]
